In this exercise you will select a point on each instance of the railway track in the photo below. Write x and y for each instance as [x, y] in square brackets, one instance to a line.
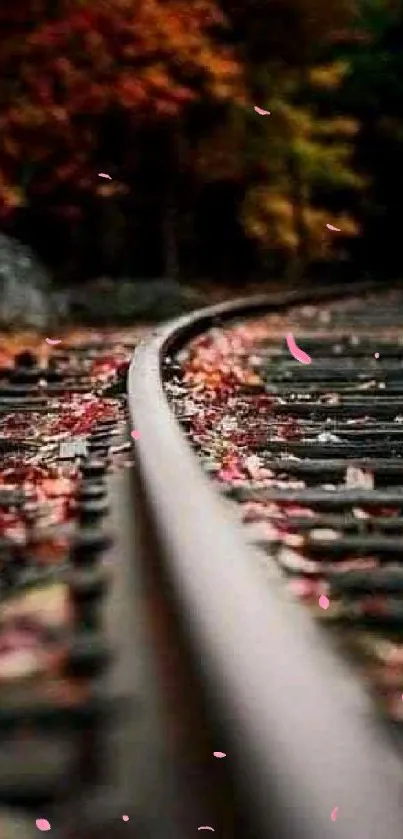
[151, 614]
[313, 456]
[82, 733]
[300, 506]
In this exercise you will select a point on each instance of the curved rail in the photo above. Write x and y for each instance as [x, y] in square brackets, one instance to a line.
[301, 733]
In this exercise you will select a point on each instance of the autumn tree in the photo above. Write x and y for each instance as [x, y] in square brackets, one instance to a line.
[160, 94]
[305, 160]
[373, 92]
[103, 67]
[296, 164]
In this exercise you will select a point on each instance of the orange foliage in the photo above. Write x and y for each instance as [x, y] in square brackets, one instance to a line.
[148, 58]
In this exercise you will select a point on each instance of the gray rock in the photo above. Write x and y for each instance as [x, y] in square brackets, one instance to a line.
[28, 300]
[24, 286]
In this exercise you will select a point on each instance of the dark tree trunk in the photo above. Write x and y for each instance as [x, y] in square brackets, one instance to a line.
[170, 231]
[299, 260]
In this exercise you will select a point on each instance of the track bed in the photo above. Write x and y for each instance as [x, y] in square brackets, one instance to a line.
[80, 732]
[312, 455]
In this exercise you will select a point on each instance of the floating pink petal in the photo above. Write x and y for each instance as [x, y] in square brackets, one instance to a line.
[53, 341]
[333, 814]
[219, 754]
[125, 818]
[324, 602]
[135, 435]
[330, 227]
[206, 828]
[104, 175]
[376, 355]
[260, 111]
[295, 351]
[42, 824]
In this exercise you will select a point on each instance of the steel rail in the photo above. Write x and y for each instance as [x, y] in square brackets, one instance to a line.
[301, 734]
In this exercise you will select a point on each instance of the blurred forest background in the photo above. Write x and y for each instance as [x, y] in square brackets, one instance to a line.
[161, 95]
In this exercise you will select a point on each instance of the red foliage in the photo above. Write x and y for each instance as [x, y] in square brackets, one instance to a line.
[147, 58]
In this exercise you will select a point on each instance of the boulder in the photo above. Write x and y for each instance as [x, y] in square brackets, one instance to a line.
[24, 286]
